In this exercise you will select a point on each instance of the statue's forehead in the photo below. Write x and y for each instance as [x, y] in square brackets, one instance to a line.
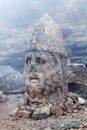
[40, 53]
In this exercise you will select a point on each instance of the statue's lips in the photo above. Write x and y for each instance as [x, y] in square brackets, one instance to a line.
[34, 80]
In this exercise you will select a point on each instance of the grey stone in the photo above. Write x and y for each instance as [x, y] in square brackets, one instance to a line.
[57, 111]
[77, 79]
[45, 72]
[41, 113]
[64, 124]
[14, 112]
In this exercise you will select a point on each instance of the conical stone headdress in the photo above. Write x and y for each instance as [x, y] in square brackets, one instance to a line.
[47, 37]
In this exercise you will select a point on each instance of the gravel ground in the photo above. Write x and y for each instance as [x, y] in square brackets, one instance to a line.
[74, 121]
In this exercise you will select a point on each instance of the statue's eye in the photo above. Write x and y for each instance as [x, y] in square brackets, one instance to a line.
[28, 60]
[40, 61]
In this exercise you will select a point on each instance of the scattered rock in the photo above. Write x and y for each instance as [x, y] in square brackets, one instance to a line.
[77, 79]
[24, 114]
[57, 111]
[14, 112]
[69, 107]
[81, 100]
[74, 97]
[41, 113]
[77, 106]
[23, 103]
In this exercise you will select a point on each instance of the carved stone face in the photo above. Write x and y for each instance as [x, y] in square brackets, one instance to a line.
[42, 73]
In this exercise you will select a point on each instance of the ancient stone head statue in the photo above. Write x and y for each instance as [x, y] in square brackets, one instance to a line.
[46, 63]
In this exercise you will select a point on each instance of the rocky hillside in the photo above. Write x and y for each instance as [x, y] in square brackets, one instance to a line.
[10, 80]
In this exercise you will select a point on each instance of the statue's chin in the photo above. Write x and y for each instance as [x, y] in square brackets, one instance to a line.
[35, 85]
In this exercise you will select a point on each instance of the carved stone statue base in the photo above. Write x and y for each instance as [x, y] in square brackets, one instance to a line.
[37, 110]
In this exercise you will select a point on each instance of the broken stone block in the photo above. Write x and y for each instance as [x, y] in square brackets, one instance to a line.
[74, 97]
[68, 106]
[77, 79]
[57, 111]
[24, 114]
[70, 100]
[23, 103]
[41, 113]
[14, 112]
[81, 100]
[77, 106]
[31, 109]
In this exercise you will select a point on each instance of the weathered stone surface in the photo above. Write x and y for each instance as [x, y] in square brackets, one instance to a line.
[64, 124]
[45, 71]
[41, 113]
[74, 103]
[57, 111]
[74, 97]
[23, 103]
[14, 112]
[24, 114]
[81, 100]
[69, 107]
[77, 79]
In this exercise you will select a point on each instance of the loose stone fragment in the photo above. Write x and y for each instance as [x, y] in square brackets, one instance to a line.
[41, 113]
[57, 111]
[14, 112]
[24, 114]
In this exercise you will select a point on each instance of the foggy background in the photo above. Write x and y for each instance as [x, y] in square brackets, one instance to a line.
[17, 18]
[24, 13]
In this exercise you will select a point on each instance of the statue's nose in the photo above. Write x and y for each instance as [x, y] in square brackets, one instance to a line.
[33, 68]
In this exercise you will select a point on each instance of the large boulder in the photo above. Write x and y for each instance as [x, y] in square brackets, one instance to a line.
[77, 79]
[10, 80]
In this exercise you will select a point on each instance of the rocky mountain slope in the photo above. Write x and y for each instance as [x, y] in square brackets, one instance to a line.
[10, 80]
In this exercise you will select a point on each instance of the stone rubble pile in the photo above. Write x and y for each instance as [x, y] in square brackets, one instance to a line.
[37, 110]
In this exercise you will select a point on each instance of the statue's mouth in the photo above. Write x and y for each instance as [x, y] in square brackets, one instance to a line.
[34, 79]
